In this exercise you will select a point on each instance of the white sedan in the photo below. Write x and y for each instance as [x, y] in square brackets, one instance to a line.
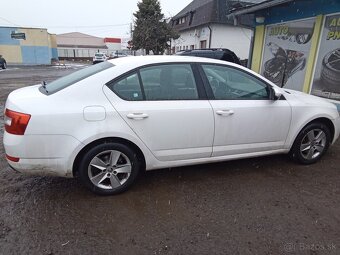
[108, 122]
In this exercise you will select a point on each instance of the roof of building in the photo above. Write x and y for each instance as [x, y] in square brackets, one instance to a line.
[256, 7]
[80, 40]
[202, 12]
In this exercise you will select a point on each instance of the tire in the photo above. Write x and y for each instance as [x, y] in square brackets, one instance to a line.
[109, 168]
[330, 73]
[311, 143]
[4, 65]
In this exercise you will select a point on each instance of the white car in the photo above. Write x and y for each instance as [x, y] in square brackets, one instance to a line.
[99, 57]
[110, 121]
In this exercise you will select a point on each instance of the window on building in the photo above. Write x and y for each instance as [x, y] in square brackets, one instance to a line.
[181, 20]
[203, 44]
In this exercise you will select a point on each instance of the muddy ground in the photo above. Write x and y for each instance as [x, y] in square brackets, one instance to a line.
[267, 205]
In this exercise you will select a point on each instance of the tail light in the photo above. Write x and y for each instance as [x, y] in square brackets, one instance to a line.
[13, 159]
[16, 122]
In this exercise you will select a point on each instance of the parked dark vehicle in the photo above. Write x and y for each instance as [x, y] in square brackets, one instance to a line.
[221, 54]
[3, 63]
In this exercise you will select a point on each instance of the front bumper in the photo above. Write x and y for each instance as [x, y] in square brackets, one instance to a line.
[336, 123]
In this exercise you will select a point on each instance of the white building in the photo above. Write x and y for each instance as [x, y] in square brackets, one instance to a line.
[204, 24]
[82, 46]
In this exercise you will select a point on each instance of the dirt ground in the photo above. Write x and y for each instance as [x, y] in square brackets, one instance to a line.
[267, 205]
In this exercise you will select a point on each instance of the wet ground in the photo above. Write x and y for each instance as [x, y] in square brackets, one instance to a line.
[266, 205]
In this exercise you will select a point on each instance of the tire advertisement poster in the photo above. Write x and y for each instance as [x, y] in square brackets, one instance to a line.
[286, 52]
[326, 82]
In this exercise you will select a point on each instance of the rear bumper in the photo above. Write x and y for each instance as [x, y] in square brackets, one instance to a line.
[43, 167]
[98, 61]
[41, 154]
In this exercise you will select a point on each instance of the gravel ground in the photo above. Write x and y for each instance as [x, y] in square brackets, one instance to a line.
[266, 205]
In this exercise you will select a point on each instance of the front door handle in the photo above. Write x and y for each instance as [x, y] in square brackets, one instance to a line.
[137, 116]
[225, 112]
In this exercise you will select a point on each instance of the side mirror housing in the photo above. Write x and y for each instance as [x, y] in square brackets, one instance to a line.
[275, 93]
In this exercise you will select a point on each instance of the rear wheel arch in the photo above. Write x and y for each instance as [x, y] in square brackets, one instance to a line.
[118, 140]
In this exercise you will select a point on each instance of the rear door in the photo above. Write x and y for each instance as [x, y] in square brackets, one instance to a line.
[164, 106]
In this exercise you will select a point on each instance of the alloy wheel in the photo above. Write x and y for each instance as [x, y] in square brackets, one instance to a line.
[313, 144]
[109, 169]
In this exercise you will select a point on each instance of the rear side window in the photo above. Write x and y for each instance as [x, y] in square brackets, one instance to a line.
[72, 78]
[169, 82]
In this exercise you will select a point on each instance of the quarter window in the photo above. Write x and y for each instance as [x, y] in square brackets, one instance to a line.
[169, 82]
[128, 88]
[232, 84]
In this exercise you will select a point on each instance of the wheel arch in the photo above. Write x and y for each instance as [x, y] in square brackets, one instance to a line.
[326, 121]
[90, 145]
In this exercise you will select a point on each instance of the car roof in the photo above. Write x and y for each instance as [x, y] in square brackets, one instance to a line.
[132, 62]
[151, 59]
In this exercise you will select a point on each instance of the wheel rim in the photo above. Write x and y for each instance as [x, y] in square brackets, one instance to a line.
[109, 169]
[313, 144]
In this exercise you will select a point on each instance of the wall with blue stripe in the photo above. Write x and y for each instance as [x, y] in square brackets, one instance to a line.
[38, 47]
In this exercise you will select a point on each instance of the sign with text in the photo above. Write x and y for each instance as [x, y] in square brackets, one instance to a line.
[18, 36]
[326, 82]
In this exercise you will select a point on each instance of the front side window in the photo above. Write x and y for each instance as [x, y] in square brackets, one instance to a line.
[128, 88]
[232, 84]
[169, 82]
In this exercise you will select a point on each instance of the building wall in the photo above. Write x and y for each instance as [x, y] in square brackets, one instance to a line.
[53, 46]
[113, 46]
[317, 79]
[236, 39]
[222, 36]
[79, 53]
[191, 38]
[36, 48]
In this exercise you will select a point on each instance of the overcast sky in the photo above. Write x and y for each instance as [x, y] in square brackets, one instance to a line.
[104, 18]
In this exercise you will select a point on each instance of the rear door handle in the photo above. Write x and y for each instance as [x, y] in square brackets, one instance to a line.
[137, 116]
[225, 112]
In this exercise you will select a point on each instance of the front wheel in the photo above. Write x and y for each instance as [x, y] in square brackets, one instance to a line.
[109, 168]
[4, 65]
[311, 143]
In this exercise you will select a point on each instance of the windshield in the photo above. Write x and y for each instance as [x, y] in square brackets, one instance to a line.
[72, 78]
[99, 55]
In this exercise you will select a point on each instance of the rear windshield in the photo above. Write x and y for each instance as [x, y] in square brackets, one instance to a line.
[99, 55]
[72, 78]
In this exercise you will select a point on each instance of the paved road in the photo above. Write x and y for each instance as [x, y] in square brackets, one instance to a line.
[266, 205]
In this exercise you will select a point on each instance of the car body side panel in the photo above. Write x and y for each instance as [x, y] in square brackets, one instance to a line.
[61, 115]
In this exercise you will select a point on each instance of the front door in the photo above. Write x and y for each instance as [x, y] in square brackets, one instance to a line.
[246, 120]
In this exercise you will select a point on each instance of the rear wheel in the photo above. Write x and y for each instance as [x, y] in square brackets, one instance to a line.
[4, 65]
[311, 143]
[109, 168]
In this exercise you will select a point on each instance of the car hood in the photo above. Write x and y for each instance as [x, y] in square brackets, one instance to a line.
[310, 99]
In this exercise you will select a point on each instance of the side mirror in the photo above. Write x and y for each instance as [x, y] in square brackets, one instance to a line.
[275, 93]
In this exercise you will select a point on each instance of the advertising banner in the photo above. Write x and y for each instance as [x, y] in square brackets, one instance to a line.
[326, 82]
[286, 52]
